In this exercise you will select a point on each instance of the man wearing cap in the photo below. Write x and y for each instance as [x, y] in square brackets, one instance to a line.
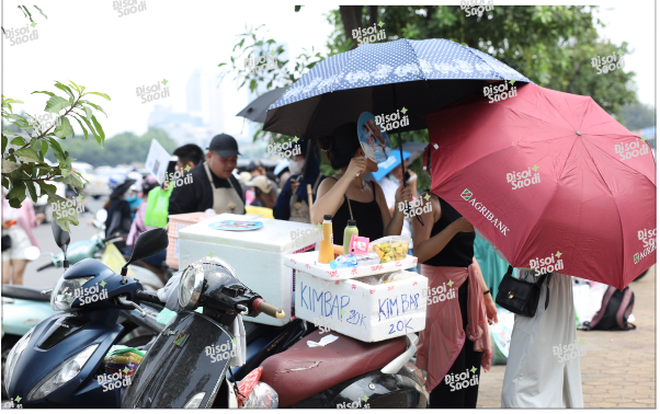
[213, 184]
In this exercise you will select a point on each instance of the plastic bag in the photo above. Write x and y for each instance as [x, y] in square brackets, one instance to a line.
[247, 384]
[158, 203]
[121, 357]
[262, 396]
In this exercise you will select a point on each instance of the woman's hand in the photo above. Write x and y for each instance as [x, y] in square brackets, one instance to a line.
[294, 184]
[39, 218]
[462, 225]
[491, 309]
[358, 165]
[402, 194]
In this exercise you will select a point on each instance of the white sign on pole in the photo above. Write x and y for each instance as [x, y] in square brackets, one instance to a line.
[157, 160]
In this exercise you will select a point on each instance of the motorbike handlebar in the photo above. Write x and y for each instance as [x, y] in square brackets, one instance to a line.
[46, 266]
[260, 305]
[148, 296]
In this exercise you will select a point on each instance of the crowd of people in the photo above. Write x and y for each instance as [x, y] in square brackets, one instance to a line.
[456, 339]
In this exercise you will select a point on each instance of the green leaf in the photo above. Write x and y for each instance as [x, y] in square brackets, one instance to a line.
[44, 147]
[9, 166]
[56, 103]
[64, 129]
[99, 130]
[57, 149]
[42, 13]
[88, 112]
[70, 179]
[18, 141]
[95, 106]
[32, 190]
[46, 92]
[80, 88]
[65, 89]
[5, 140]
[99, 94]
[83, 128]
[27, 155]
[89, 125]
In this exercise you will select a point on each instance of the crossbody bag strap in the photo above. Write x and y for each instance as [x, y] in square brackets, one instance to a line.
[547, 287]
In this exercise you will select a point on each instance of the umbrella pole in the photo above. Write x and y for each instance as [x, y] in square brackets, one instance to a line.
[310, 202]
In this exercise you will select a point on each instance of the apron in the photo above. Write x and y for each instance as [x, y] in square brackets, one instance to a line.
[225, 200]
[535, 377]
[299, 210]
[441, 341]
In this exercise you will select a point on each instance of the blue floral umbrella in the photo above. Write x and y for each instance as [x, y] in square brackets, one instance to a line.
[421, 76]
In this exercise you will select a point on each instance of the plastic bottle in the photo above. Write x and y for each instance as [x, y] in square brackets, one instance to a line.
[349, 230]
[326, 251]
[347, 260]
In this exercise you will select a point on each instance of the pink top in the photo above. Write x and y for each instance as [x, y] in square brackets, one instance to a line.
[442, 340]
[26, 217]
[138, 222]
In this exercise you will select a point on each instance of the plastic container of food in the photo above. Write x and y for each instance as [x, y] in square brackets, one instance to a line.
[391, 248]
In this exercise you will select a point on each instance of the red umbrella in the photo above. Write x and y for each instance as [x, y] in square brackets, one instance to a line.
[552, 180]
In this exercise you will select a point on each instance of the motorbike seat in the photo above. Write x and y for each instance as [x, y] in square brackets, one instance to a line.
[22, 292]
[302, 371]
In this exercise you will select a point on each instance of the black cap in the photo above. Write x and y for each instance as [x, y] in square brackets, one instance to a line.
[351, 222]
[224, 145]
[327, 217]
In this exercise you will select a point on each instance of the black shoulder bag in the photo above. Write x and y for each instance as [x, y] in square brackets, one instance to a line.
[519, 296]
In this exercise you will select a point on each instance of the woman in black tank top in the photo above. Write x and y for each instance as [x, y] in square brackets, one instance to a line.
[346, 194]
[445, 241]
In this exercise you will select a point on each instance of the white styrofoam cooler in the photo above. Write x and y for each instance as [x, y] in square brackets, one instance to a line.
[257, 256]
[369, 313]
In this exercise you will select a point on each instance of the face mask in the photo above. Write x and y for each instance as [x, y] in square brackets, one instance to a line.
[296, 166]
[395, 180]
[131, 198]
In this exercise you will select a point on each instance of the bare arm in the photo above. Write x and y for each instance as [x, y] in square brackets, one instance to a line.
[426, 246]
[329, 198]
[491, 309]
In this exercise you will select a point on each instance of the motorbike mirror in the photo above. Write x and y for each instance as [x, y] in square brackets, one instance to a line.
[148, 244]
[62, 238]
[101, 215]
[32, 253]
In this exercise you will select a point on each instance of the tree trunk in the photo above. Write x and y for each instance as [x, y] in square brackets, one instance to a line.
[351, 18]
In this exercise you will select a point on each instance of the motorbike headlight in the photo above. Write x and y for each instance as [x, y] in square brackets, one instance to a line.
[195, 401]
[64, 373]
[62, 296]
[190, 286]
[13, 357]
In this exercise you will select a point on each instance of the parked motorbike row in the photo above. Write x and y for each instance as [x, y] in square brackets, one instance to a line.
[188, 360]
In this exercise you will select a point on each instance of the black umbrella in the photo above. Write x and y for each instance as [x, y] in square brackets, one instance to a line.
[408, 78]
[256, 110]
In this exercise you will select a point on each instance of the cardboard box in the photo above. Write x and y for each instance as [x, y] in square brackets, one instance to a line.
[369, 313]
[258, 256]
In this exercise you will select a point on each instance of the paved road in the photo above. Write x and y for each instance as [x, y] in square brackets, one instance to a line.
[619, 368]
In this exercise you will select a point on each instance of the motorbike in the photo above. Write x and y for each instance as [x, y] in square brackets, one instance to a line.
[186, 366]
[98, 246]
[59, 362]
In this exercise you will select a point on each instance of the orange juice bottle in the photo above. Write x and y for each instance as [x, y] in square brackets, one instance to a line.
[326, 252]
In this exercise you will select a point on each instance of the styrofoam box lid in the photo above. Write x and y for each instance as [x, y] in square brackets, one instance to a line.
[306, 262]
[275, 236]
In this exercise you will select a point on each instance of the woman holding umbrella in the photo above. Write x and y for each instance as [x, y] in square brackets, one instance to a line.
[346, 196]
[456, 341]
